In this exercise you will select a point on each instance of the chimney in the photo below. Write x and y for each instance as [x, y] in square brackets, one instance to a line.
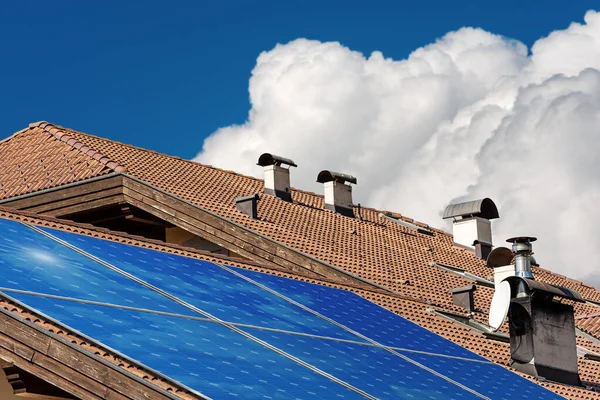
[338, 194]
[277, 178]
[542, 330]
[472, 227]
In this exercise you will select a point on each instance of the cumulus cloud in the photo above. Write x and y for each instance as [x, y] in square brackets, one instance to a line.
[471, 115]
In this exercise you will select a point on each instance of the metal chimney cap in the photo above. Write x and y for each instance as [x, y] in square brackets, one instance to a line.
[484, 208]
[522, 239]
[271, 159]
[521, 244]
[328, 176]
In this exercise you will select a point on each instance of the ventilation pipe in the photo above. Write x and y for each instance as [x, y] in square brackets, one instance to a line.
[521, 247]
[472, 227]
[277, 178]
[338, 192]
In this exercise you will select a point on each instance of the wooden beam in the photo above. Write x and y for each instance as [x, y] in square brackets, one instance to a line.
[65, 192]
[86, 206]
[36, 396]
[66, 366]
[58, 207]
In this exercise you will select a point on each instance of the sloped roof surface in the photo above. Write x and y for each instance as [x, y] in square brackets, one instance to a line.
[415, 311]
[373, 248]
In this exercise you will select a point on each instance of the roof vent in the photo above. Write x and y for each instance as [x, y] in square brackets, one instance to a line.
[338, 192]
[463, 297]
[277, 178]
[472, 227]
[247, 205]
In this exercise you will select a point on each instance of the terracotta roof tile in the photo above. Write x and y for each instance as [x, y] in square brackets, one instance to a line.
[372, 247]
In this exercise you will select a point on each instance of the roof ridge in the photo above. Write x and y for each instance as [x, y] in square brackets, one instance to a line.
[62, 134]
[66, 130]
[48, 127]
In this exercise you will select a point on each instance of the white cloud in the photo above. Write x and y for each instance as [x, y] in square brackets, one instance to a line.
[471, 115]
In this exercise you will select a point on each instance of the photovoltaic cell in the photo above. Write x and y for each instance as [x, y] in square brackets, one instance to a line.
[490, 380]
[31, 262]
[372, 369]
[206, 286]
[220, 362]
[204, 356]
[362, 316]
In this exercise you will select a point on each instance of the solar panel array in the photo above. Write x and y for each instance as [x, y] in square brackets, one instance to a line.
[223, 331]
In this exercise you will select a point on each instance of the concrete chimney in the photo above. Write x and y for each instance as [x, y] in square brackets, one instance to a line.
[338, 192]
[472, 227]
[277, 178]
[542, 331]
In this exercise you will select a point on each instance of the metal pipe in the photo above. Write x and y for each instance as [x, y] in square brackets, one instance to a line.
[521, 247]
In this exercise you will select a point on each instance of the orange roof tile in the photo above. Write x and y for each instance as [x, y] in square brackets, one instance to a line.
[372, 247]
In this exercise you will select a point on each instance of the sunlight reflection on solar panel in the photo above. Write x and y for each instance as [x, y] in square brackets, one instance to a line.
[29, 261]
[206, 286]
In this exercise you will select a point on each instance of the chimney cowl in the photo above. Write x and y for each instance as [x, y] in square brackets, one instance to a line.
[483, 208]
[271, 159]
[277, 178]
[328, 176]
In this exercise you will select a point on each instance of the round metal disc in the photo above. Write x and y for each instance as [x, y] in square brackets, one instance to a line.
[499, 306]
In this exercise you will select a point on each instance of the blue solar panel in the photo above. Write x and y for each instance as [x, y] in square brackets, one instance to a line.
[362, 316]
[206, 286]
[204, 356]
[371, 369]
[29, 261]
[218, 361]
[490, 380]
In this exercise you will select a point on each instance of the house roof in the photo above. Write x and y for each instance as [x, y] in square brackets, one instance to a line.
[372, 247]
[419, 312]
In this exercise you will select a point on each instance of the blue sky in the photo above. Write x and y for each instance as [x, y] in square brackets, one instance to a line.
[165, 76]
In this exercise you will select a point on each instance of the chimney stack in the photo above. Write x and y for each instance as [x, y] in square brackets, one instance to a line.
[472, 227]
[277, 178]
[542, 330]
[338, 194]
